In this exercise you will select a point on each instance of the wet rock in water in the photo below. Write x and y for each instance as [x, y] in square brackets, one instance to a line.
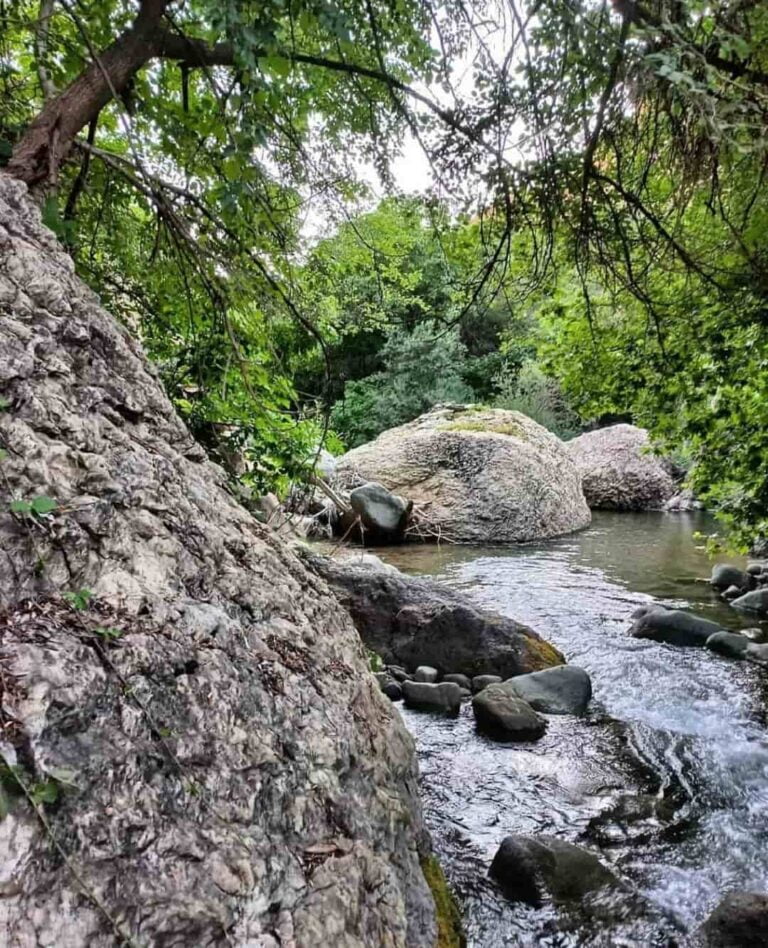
[732, 592]
[426, 673]
[739, 921]
[618, 472]
[475, 475]
[463, 681]
[755, 602]
[724, 575]
[482, 681]
[673, 627]
[531, 868]
[755, 569]
[565, 689]
[393, 690]
[730, 644]
[368, 561]
[757, 652]
[502, 715]
[383, 514]
[683, 502]
[399, 673]
[443, 698]
[410, 621]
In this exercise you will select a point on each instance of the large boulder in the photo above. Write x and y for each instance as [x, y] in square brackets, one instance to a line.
[503, 715]
[475, 475]
[530, 868]
[224, 767]
[739, 921]
[565, 689]
[673, 627]
[618, 472]
[410, 621]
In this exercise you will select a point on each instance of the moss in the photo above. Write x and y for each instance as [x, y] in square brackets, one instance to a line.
[449, 931]
[487, 427]
[541, 654]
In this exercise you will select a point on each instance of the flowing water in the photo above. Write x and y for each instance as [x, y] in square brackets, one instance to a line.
[666, 776]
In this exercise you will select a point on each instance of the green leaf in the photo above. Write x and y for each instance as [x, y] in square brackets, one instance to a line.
[20, 507]
[43, 505]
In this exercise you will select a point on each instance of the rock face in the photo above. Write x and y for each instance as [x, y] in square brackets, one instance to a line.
[228, 771]
[503, 715]
[528, 868]
[673, 627]
[617, 472]
[739, 921]
[565, 689]
[412, 622]
[476, 475]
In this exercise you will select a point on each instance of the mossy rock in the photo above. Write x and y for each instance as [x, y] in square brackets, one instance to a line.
[485, 427]
[450, 933]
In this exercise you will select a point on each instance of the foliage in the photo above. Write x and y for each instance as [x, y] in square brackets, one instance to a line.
[421, 369]
[539, 397]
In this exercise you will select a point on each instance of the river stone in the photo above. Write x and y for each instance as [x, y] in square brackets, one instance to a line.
[443, 698]
[529, 868]
[725, 575]
[730, 644]
[426, 673]
[565, 689]
[411, 621]
[384, 515]
[755, 602]
[399, 673]
[673, 627]
[739, 921]
[618, 472]
[503, 715]
[732, 592]
[755, 569]
[277, 738]
[475, 475]
[757, 652]
[461, 680]
[482, 681]
[393, 690]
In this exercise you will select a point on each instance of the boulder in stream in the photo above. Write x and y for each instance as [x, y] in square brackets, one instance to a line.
[618, 470]
[502, 714]
[755, 602]
[384, 515]
[442, 698]
[724, 575]
[565, 689]
[730, 644]
[475, 475]
[530, 868]
[673, 626]
[410, 621]
[739, 921]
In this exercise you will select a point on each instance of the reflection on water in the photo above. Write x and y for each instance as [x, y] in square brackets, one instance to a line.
[667, 776]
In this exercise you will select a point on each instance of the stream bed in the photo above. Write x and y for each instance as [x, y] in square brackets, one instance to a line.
[666, 776]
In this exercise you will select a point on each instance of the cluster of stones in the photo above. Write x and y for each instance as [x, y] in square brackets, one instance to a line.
[508, 710]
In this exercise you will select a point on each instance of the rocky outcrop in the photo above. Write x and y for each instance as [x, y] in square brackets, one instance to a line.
[618, 472]
[225, 770]
[412, 622]
[475, 475]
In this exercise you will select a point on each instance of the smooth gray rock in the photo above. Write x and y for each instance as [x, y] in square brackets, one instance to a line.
[755, 602]
[426, 673]
[242, 658]
[384, 514]
[476, 474]
[565, 689]
[443, 698]
[463, 681]
[739, 921]
[482, 681]
[757, 652]
[399, 673]
[410, 621]
[732, 592]
[530, 868]
[618, 471]
[673, 627]
[503, 715]
[755, 569]
[730, 644]
[725, 575]
[393, 690]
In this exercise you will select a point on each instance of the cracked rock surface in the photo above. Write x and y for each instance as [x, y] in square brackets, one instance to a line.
[226, 770]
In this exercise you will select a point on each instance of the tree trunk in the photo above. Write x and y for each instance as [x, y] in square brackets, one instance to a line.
[49, 137]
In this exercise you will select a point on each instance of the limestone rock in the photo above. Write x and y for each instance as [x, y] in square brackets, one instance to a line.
[618, 472]
[410, 621]
[235, 775]
[476, 475]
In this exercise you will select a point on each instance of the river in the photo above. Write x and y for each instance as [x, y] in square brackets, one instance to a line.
[666, 777]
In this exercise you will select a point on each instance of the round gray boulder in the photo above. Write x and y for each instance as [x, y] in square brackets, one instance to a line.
[730, 644]
[463, 681]
[426, 673]
[482, 681]
[673, 627]
[383, 514]
[725, 575]
[618, 471]
[503, 715]
[755, 602]
[444, 698]
[564, 689]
